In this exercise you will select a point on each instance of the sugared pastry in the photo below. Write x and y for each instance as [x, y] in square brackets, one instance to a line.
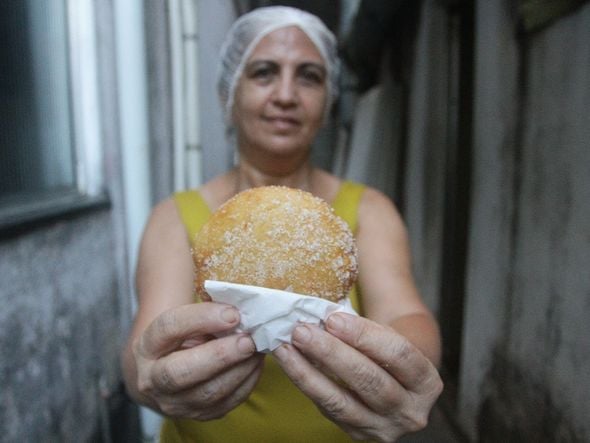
[280, 238]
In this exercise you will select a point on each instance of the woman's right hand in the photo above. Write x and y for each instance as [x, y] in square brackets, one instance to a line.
[185, 372]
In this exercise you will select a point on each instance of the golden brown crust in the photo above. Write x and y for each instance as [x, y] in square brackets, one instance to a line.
[280, 238]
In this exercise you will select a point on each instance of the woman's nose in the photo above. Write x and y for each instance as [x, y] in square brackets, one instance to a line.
[286, 90]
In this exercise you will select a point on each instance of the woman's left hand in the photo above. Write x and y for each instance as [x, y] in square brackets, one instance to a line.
[365, 377]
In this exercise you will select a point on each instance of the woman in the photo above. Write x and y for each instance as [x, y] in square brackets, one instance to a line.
[277, 83]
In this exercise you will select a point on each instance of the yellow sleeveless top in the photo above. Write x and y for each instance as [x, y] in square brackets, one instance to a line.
[276, 410]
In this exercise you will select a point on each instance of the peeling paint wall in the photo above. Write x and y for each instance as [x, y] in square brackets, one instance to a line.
[59, 330]
[64, 292]
[523, 369]
[528, 352]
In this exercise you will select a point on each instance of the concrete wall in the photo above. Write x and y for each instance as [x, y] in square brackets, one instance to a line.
[522, 301]
[218, 151]
[526, 372]
[404, 120]
[427, 144]
[65, 303]
[213, 20]
[59, 330]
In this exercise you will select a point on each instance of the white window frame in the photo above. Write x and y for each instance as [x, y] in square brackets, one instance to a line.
[89, 187]
[85, 97]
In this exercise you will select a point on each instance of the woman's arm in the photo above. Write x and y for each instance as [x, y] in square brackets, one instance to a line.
[163, 279]
[386, 380]
[171, 362]
[390, 296]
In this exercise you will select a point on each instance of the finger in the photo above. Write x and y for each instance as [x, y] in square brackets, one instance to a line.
[333, 400]
[390, 350]
[186, 368]
[238, 396]
[217, 389]
[374, 385]
[213, 398]
[169, 330]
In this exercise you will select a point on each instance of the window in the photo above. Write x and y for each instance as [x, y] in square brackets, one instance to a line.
[49, 137]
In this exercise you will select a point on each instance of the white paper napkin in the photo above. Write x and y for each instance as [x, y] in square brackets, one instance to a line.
[270, 315]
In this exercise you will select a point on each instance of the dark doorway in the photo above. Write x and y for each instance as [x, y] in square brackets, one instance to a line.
[457, 189]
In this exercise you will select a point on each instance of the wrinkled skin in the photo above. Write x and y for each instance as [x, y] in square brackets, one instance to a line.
[379, 385]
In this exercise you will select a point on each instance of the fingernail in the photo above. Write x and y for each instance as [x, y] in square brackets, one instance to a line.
[336, 322]
[302, 334]
[246, 345]
[229, 315]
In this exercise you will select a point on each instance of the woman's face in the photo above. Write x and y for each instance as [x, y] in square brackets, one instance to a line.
[281, 95]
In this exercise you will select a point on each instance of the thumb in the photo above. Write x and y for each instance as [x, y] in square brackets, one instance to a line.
[172, 328]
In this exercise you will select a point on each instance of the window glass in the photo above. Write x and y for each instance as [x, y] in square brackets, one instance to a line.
[36, 148]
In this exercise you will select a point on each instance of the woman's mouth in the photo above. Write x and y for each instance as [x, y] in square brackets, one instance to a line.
[283, 123]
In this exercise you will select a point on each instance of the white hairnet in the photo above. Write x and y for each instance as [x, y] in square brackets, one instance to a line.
[247, 32]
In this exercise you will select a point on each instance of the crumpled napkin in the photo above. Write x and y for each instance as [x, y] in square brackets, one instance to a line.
[270, 315]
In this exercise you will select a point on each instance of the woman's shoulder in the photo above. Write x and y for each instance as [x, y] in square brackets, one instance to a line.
[377, 211]
[164, 215]
[169, 211]
[374, 197]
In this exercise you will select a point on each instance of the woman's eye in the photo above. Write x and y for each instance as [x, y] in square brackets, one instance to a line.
[261, 73]
[313, 76]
